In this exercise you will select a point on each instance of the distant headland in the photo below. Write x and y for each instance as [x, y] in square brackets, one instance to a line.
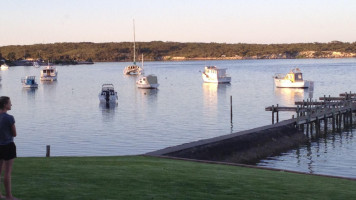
[87, 52]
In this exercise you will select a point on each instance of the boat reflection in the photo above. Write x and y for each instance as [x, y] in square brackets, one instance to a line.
[211, 92]
[108, 110]
[30, 92]
[147, 97]
[49, 89]
[288, 96]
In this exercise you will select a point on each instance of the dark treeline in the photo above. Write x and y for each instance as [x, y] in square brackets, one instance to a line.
[158, 50]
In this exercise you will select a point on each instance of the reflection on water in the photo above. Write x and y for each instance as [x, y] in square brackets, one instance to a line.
[287, 96]
[147, 96]
[30, 92]
[319, 156]
[148, 93]
[211, 92]
[108, 110]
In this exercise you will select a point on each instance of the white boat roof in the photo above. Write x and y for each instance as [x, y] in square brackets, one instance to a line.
[295, 70]
[214, 68]
[107, 86]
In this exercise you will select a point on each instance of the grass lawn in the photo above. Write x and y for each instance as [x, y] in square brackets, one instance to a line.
[139, 177]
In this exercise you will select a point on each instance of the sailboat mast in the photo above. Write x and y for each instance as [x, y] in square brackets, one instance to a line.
[134, 42]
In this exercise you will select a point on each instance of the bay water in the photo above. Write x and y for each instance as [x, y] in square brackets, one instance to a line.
[66, 114]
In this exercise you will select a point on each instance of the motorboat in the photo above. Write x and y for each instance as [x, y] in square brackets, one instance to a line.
[29, 82]
[49, 73]
[108, 94]
[294, 79]
[4, 66]
[212, 74]
[133, 69]
[148, 82]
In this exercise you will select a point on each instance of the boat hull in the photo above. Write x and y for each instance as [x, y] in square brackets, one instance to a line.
[283, 83]
[31, 86]
[208, 79]
[147, 86]
[133, 70]
[48, 78]
[112, 98]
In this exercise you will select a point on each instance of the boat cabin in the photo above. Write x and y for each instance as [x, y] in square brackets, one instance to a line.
[149, 79]
[295, 75]
[48, 72]
[215, 70]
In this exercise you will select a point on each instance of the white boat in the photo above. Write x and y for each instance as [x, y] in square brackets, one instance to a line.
[212, 74]
[29, 82]
[108, 94]
[294, 79]
[148, 82]
[133, 69]
[49, 73]
[4, 67]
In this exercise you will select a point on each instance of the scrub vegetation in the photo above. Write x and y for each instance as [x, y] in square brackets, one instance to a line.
[158, 50]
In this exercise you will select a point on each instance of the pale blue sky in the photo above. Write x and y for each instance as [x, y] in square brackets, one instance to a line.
[223, 21]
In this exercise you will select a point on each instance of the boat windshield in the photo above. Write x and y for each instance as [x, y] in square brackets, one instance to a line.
[298, 77]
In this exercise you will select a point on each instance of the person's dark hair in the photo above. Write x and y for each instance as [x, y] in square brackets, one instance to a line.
[3, 101]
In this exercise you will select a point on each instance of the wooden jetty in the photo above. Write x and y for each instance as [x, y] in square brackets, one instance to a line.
[338, 109]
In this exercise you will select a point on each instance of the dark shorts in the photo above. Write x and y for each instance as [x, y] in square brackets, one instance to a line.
[8, 151]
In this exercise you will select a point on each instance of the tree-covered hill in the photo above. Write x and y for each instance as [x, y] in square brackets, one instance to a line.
[158, 50]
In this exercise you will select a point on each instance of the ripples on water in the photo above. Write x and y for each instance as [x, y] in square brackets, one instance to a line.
[67, 115]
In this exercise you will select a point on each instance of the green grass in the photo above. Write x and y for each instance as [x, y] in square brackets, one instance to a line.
[138, 177]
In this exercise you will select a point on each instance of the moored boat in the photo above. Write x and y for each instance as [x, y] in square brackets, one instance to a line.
[108, 94]
[29, 82]
[212, 74]
[148, 82]
[4, 67]
[294, 79]
[49, 73]
[133, 69]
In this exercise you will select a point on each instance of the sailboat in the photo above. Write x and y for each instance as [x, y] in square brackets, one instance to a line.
[133, 69]
[147, 82]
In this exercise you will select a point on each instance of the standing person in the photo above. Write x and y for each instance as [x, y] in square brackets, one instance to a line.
[7, 145]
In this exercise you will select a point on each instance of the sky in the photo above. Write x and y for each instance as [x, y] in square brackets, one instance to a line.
[26, 22]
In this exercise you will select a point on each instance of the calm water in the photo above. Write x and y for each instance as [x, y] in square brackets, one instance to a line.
[67, 115]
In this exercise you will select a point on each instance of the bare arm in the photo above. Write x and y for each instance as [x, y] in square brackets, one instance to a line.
[13, 130]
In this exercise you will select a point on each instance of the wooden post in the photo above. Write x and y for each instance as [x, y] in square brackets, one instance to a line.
[333, 122]
[272, 114]
[48, 151]
[317, 125]
[325, 124]
[340, 120]
[231, 110]
[277, 114]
